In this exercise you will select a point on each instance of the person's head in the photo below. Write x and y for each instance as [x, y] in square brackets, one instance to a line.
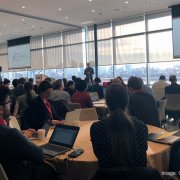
[134, 84]
[97, 80]
[116, 81]
[44, 90]
[4, 102]
[21, 81]
[31, 80]
[121, 79]
[88, 64]
[81, 85]
[70, 84]
[48, 79]
[6, 82]
[28, 86]
[116, 97]
[173, 79]
[162, 77]
[15, 83]
[58, 85]
[74, 78]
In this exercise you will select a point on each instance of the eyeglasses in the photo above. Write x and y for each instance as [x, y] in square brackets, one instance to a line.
[8, 102]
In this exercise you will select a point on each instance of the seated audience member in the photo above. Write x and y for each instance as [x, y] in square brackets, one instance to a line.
[122, 82]
[142, 105]
[6, 82]
[19, 90]
[159, 87]
[64, 82]
[35, 87]
[115, 81]
[81, 96]
[97, 88]
[25, 100]
[20, 158]
[119, 140]
[74, 78]
[174, 88]
[58, 92]
[70, 88]
[146, 88]
[40, 110]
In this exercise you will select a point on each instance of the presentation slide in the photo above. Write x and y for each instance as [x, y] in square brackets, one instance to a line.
[19, 56]
[176, 37]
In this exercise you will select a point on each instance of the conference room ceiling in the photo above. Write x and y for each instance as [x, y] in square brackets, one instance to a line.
[74, 12]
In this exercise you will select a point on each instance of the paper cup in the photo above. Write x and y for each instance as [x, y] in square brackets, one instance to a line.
[41, 134]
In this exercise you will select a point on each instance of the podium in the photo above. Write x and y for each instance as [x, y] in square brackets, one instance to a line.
[40, 78]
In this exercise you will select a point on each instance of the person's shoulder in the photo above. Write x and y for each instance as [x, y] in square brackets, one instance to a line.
[139, 124]
[98, 125]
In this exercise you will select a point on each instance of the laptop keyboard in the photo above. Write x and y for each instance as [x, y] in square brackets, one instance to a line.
[54, 147]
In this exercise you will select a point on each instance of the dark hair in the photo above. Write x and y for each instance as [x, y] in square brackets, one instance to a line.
[28, 86]
[21, 80]
[4, 92]
[134, 83]
[44, 85]
[6, 81]
[65, 82]
[120, 127]
[97, 80]
[15, 82]
[31, 80]
[81, 85]
[70, 83]
[172, 78]
[58, 84]
[122, 81]
[162, 77]
[74, 78]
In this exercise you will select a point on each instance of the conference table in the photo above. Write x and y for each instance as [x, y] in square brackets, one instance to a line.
[84, 166]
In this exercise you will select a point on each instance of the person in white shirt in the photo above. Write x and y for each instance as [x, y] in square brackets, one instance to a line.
[159, 87]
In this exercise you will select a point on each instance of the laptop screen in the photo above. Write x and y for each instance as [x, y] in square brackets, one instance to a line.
[64, 135]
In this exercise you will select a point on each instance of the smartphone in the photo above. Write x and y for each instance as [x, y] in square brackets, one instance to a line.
[75, 153]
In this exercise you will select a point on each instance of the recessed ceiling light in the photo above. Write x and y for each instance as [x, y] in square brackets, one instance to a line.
[126, 2]
[66, 17]
[22, 19]
[4, 25]
[93, 10]
[59, 9]
[23, 7]
[90, 0]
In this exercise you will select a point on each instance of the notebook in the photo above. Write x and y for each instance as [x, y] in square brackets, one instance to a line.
[156, 137]
[61, 141]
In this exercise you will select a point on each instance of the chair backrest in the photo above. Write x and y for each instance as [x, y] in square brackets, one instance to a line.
[13, 123]
[3, 175]
[73, 106]
[173, 102]
[94, 96]
[86, 114]
[161, 109]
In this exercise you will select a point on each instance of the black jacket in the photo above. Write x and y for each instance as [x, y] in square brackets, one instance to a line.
[36, 115]
[143, 106]
[14, 151]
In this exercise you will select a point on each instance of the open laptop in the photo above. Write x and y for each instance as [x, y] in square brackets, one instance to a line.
[61, 141]
[94, 96]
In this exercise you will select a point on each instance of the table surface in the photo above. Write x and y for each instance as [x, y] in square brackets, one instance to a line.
[83, 141]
